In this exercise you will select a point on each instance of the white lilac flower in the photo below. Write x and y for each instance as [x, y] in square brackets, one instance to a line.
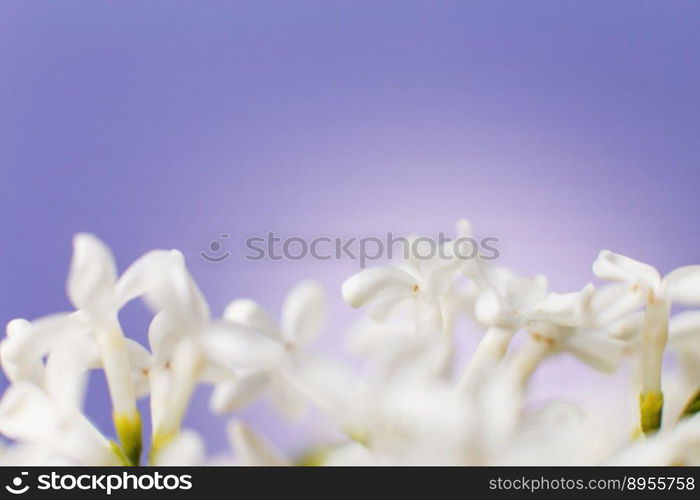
[682, 286]
[422, 280]
[303, 317]
[188, 346]
[96, 335]
[247, 447]
[578, 323]
[418, 296]
[92, 288]
[48, 362]
[402, 412]
[56, 352]
[503, 307]
[682, 388]
[32, 416]
[402, 407]
[399, 413]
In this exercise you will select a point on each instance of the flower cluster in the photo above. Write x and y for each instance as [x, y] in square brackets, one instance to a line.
[410, 403]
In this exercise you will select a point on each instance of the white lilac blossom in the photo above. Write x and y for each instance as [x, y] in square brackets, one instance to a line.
[407, 404]
[580, 323]
[424, 279]
[303, 316]
[422, 286]
[502, 307]
[681, 396]
[96, 338]
[188, 346]
[682, 286]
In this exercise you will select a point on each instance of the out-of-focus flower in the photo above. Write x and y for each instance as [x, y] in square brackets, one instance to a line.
[30, 415]
[503, 307]
[678, 445]
[303, 317]
[402, 406]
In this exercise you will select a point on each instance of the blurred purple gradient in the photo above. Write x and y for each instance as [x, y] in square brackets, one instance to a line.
[559, 127]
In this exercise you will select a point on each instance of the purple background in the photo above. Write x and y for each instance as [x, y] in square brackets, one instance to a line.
[559, 127]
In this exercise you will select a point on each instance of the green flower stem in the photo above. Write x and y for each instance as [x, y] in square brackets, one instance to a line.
[692, 407]
[651, 406]
[128, 429]
[119, 453]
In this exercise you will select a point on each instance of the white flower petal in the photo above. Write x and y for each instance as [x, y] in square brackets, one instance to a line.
[67, 368]
[627, 328]
[596, 349]
[613, 302]
[304, 313]
[327, 384]
[240, 348]
[144, 273]
[683, 285]
[180, 379]
[161, 277]
[232, 395]
[566, 309]
[457, 303]
[415, 361]
[20, 354]
[249, 313]
[163, 334]
[490, 276]
[27, 414]
[379, 283]
[368, 337]
[685, 326]
[93, 274]
[383, 309]
[286, 398]
[489, 310]
[250, 448]
[140, 361]
[615, 267]
[439, 274]
[186, 449]
[523, 293]
[428, 314]
[160, 380]
[23, 350]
